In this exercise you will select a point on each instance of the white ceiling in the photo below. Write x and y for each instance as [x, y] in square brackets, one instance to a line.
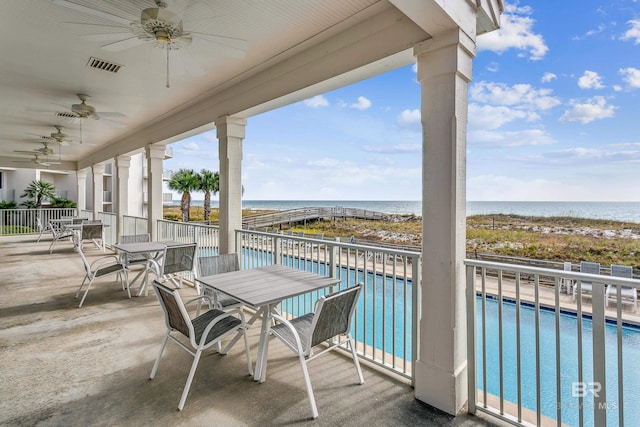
[270, 53]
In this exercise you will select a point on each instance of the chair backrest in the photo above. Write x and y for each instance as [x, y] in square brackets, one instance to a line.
[333, 314]
[589, 267]
[622, 271]
[175, 314]
[92, 231]
[178, 258]
[135, 238]
[217, 264]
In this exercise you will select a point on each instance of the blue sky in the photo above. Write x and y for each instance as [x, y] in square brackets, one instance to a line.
[553, 115]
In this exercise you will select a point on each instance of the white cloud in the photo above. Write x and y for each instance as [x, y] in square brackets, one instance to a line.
[516, 32]
[519, 95]
[414, 67]
[595, 108]
[547, 77]
[316, 101]
[600, 28]
[531, 137]
[493, 67]
[362, 104]
[632, 33]
[631, 76]
[489, 117]
[191, 146]
[409, 117]
[590, 80]
[394, 149]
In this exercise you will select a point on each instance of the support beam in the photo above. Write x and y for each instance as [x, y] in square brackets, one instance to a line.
[155, 156]
[122, 185]
[82, 190]
[98, 189]
[444, 71]
[230, 132]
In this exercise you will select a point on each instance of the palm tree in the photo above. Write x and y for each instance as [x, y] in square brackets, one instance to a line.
[39, 190]
[209, 182]
[185, 181]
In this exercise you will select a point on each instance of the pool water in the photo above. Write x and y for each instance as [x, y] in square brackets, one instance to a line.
[568, 363]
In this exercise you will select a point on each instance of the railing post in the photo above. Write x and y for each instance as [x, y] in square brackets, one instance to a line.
[471, 339]
[599, 364]
[416, 312]
[277, 242]
[333, 257]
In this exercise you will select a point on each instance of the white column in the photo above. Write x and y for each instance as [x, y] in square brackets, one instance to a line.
[98, 189]
[122, 185]
[82, 190]
[444, 70]
[155, 156]
[230, 132]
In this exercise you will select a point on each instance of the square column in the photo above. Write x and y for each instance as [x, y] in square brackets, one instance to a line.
[82, 190]
[122, 184]
[444, 71]
[230, 132]
[98, 189]
[155, 156]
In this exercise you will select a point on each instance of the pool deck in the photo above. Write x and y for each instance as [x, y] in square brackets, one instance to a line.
[70, 366]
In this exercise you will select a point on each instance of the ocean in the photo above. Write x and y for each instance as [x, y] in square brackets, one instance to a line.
[619, 211]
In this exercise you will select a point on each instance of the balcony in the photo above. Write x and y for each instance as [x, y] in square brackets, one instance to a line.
[168, 153]
[93, 363]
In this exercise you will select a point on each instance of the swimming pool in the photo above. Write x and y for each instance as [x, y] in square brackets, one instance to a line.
[568, 362]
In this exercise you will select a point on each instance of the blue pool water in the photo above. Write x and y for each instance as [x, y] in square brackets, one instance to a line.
[568, 363]
[377, 313]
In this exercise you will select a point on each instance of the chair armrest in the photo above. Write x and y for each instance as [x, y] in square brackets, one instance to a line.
[293, 330]
[107, 259]
[200, 297]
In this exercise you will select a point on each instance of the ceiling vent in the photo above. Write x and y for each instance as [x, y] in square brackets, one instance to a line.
[101, 64]
[66, 115]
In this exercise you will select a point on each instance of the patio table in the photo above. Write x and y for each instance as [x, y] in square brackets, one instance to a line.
[265, 288]
[150, 250]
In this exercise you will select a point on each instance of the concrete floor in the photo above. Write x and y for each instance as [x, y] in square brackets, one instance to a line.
[65, 366]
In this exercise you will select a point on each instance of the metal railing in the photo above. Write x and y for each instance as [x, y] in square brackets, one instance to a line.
[134, 225]
[385, 320]
[29, 221]
[537, 356]
[206, 237]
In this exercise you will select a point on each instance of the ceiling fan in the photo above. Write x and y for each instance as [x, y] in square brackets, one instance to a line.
[157, 26]
[45, 150]
[58, 137]
[38, 161]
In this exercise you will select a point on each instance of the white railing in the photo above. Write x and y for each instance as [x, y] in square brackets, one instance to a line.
[28, 221]
[134, 225]
[537, 356]
[84, 213]
[206, 237]
[385, 320]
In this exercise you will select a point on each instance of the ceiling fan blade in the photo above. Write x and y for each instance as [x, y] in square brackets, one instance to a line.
[120, 45]
[230, 42]
[106, 37]
[111, 115]
[93, 12]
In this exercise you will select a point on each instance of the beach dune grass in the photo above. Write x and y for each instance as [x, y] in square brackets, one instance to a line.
[545, 238]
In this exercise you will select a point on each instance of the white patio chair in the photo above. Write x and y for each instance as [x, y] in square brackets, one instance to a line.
[176, 262]
[201, 332]
[43, 228]
[93, 232]
[586, 287]
[218, 264]
[102, 266]
[625, 291]
[331, 318]
[59, 232]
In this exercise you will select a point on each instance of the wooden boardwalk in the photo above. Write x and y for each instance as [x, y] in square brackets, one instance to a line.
[302, 215]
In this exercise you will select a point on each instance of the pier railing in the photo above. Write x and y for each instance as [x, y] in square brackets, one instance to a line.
[301, 215]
